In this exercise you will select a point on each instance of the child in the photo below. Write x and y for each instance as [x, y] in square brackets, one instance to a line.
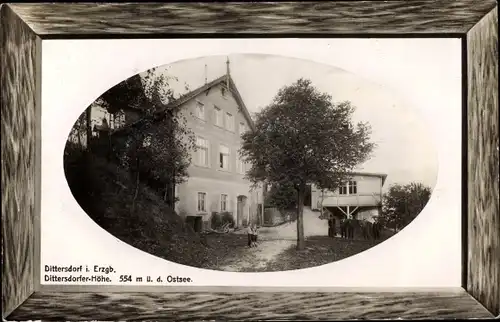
[250, 235]
[255, 234]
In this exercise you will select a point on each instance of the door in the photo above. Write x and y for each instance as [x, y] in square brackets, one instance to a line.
[240, 210]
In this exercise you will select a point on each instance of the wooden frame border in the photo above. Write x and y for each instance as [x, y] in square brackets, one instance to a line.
[23, 26]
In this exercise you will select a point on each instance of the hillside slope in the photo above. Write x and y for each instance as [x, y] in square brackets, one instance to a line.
[108, 194]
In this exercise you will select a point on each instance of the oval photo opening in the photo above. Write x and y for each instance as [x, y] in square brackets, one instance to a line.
[250, 163]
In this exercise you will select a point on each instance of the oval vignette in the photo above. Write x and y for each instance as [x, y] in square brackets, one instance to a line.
[186, 122]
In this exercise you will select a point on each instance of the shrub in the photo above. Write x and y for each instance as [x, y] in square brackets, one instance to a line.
[216, 220]
[227, 217]
[220, 219]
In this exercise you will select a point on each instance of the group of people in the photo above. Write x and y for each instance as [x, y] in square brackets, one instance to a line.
[347, 226]
[376, 229]
[253, 232]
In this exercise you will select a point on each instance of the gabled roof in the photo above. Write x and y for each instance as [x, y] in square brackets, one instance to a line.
[192, 94]
[232, 89]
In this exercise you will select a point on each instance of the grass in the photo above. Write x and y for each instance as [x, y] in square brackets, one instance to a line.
[106, 192]
[224, 249]
[320, 250]
[231, 249]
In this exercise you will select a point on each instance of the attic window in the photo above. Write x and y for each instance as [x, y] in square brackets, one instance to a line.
[223, 91]
[242, 128]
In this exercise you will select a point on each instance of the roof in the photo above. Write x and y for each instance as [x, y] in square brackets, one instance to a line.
[232, 88]
[192, 94]
[383, 176]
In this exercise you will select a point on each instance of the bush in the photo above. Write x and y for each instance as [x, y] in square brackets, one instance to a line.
[220, 219]
[227, 217]
[216, 220]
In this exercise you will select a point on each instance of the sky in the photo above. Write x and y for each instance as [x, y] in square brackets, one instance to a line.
[404, 150]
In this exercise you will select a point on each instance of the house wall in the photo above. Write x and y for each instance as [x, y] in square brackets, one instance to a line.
[216, 135]
[188, 198]
[211, 178]
[368, 194]
[129, 116]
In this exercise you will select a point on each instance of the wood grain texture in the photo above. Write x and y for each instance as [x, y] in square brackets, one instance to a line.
[483, 180]
[17, 96]
[428, 16]
[248, 306]
[19, 134]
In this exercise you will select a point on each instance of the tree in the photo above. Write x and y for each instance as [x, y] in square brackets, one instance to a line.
[78, 131]
[129, 93]
[282, 196]
[159, 145]
[303, 138]
[402, 203]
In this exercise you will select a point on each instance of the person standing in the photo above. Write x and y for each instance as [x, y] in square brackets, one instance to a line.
[376, 229]
[255, 234]
[350, 228]
[250, 235]
[343, 228]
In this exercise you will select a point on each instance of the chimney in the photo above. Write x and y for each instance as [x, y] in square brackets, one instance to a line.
[205, 74]
[227, 73]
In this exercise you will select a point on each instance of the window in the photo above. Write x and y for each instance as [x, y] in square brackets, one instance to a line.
[200, 110]
[224, 157]
[223, 91]
[229, 122]
[242, 128]
[350, 188]
[202, 151]
[241, 166]
[202, 201]
[353, 188]
[223, 202]
[218, 116]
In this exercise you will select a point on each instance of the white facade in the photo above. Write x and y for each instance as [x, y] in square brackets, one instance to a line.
[361, 196]
[217, 180]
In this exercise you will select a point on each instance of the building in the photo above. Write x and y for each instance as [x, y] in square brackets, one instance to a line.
[217, 115]
[360, 198]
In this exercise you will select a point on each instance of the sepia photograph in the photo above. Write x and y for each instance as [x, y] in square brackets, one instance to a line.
[250, 163]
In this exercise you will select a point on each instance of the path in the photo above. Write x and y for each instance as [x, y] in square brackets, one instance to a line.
[274, 240]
